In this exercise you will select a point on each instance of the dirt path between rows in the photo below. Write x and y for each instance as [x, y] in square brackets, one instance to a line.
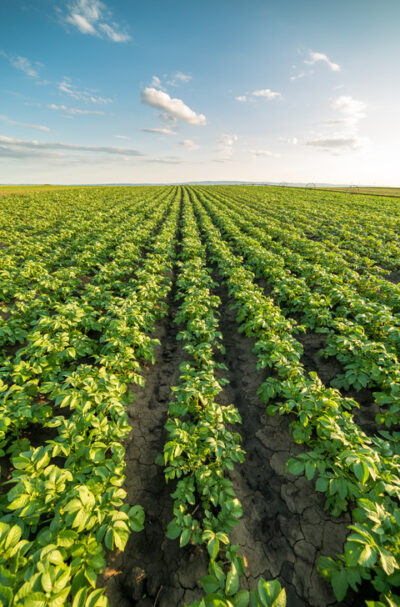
[284, 528]
[153, 570]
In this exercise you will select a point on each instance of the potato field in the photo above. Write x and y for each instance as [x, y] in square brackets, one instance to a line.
[199, 398]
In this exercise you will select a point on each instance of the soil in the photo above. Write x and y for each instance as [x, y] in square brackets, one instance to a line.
[154, 570]
[284, 528]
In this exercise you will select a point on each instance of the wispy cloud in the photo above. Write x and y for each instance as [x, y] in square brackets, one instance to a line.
[300, 75]
[67, 88]
[159, 131]
[225, 147]
[121, 137]
[259, 153]
[289, 140]
[337, 143]
[182, 77]
[175, 107]
[165, 160]
[171, 80]
[265, 93]
[316, 57]
[346, 138]
[167, 118]
[94, 18]
[37, 127]
[353, 109]
[23, 64]
[73, 110]
[179, 78]
[23, 148]
[189, 144]
[156, 83]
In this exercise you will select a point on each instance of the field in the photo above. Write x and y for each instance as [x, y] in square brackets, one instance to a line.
[6, 190]
[199, 397]
[368, 190]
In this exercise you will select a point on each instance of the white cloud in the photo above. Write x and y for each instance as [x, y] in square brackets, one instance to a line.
[94, 18]
[290, 140]
[159, 131]
[189, 144]
[121, 137]
[73, 111]
[37, 127]
[86, 95]
[299, 76]
[179, 78]
[267, 93]
[19, 148]
[227, 140]
[315, 57]
[176, 107]
[182, 77]
[347, 137]
[81, 23]
[264, 153]
[112, 33]
[353, 109]
[338, 143]
[23, 64]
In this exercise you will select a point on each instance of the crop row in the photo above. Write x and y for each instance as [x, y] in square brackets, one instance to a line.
[82, 287]
[361, 334]
[200, 447]
[66, 504]
[348, 465]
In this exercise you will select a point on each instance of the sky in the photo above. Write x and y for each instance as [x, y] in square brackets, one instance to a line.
[107, 91]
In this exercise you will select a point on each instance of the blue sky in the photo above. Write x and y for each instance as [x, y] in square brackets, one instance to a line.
[114, 92]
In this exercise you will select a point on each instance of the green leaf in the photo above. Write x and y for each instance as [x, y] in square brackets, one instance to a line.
[241, 599]
[213, 600]
[80, 598]
[232, 581]
[339, 584]
[173, 530]
[389, 563]
[209, 583]
[185, 537]
[20, 502]
[136, 515]
[47, 584]
[295, 467]
[367, 557]
[271, 593]
[361, 471]
[213, 548]
[96, 599]
[322, 484]
[36, 599]
[310, 470]
[13, 536]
